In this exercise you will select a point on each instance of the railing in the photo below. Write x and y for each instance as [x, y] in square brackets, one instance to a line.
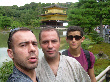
[102, 75]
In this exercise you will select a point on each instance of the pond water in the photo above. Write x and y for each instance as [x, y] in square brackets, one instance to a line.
[3, 55]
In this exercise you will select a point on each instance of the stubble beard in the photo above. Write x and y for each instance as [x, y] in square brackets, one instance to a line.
[51, 58]
[23, 64]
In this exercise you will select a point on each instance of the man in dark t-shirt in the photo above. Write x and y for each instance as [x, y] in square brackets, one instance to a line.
[74, 38]
[23, 50]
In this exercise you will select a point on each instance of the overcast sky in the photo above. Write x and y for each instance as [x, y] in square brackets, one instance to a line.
[23, 2]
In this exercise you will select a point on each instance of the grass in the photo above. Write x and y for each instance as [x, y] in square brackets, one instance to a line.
[3, 40]
[101, 64]
[63, 43]
[105, 47]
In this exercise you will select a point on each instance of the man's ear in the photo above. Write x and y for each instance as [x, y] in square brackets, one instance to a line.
[83, 39]
[10, 53]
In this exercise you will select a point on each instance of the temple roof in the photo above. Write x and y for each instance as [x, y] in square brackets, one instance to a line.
[52, 14]
[55, 5]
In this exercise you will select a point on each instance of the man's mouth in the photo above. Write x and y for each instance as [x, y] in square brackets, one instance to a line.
[50, 51]
[33, 59]
[74, 44]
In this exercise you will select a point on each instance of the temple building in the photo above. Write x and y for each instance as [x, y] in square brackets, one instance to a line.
[54, 16]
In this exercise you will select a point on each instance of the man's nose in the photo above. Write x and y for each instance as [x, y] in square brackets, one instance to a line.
[50, 45]
[73, 39]
[32, 48]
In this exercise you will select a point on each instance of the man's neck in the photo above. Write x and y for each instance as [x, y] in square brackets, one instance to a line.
[53, 60]
[54, 64]
[75, 52]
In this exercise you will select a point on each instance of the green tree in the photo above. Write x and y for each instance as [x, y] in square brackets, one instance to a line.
[35, 23]
[102, 10]
[89, 13]
[79, 16]
[8, 11]
[15, 24]
[5, 22]
[25, 18]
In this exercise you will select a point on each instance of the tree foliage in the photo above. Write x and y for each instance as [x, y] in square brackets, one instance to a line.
[90, 13]
[5, 22]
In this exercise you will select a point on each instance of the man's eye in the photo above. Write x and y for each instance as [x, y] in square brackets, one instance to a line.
[35, 44]
[45, 42]
[22, 45]
[54, 41]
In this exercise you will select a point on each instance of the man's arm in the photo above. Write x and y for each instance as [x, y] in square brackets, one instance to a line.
[91, 74]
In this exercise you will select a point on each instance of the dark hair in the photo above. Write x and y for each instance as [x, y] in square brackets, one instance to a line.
[13, 31]
[74, 28]
[48, 29]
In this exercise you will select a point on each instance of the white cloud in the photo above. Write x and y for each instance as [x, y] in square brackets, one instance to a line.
[23, 2]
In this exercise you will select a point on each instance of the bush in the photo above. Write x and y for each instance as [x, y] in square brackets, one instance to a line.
[6, 70]
[96, 38]
[87, 43]
[99, 40]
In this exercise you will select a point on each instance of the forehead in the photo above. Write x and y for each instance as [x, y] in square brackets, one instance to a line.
[47, 35]
[74, 33]
[23, 36]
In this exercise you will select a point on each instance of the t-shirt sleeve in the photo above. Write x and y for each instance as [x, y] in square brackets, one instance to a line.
[92, 59]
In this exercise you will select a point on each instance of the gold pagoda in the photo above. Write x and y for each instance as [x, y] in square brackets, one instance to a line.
[54, 16]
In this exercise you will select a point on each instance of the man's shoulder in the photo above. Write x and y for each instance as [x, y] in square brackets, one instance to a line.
[17, 78]
[88, 54]
[65, 52]
[14, 78]
[69, 59]
[71, 62]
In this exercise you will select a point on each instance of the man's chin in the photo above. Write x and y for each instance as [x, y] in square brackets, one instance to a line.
[32, 67]
[50, 56]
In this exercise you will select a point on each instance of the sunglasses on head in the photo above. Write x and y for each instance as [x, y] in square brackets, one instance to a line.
[70, 37]
[12, 31]
[15, 29]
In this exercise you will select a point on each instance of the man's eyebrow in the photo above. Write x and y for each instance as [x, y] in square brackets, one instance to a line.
[28, 42]
[45, 40]
[24, 42]
[34, 42]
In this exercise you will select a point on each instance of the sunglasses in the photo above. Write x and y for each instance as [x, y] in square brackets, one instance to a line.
[15, 29]
[12, 31]
[70, 37]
